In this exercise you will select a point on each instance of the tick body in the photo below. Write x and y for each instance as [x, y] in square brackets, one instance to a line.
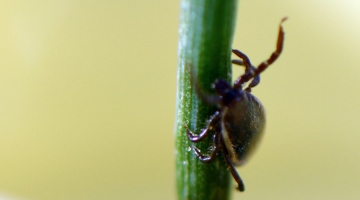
[239, 123]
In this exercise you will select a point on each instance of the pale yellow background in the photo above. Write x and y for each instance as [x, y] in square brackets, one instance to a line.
[87, 99]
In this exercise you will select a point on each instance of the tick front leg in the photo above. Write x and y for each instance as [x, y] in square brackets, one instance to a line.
[207, 159]
[249, 70]
[254, 73]
[245, 60]
[276, 53]
[254, 82]
[241, 186]
[197, 138]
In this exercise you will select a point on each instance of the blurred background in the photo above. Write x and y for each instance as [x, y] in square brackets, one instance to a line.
[87, 99]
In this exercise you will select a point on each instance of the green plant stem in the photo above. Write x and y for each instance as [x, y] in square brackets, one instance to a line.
[206, 33]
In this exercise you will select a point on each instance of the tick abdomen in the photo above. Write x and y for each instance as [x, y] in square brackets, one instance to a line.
[242, 127]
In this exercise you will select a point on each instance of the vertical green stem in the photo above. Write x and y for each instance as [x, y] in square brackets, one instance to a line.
[206, 33]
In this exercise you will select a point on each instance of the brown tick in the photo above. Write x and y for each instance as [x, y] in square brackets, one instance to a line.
[239, 123]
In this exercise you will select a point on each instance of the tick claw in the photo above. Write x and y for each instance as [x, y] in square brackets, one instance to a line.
[241, 188]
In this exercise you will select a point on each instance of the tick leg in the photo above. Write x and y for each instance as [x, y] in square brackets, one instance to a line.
[256, 79]
[253, 83]
[241, 186]
[238, 62]
[207, 159]
[279, 47]
[197, 138]
[242, 63]
[276, 53]
[249, 70]
[245, 60]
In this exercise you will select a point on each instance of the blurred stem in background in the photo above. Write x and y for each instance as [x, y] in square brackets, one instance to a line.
[206, 34]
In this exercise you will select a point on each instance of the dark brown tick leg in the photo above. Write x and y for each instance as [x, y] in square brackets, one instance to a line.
[242, 63]
[245, 60]
[207, 159]
[238, 62]
[248, 68]
[197, 138]
[241, 186]
[275, 55]
[256, 79]
[247, 76]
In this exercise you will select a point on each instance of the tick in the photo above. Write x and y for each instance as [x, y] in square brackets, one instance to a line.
[239, 122]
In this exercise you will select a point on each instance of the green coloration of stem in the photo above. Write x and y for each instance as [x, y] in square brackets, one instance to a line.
[206, 33]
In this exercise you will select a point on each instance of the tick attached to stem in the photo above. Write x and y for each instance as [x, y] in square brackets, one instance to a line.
[240, 120]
